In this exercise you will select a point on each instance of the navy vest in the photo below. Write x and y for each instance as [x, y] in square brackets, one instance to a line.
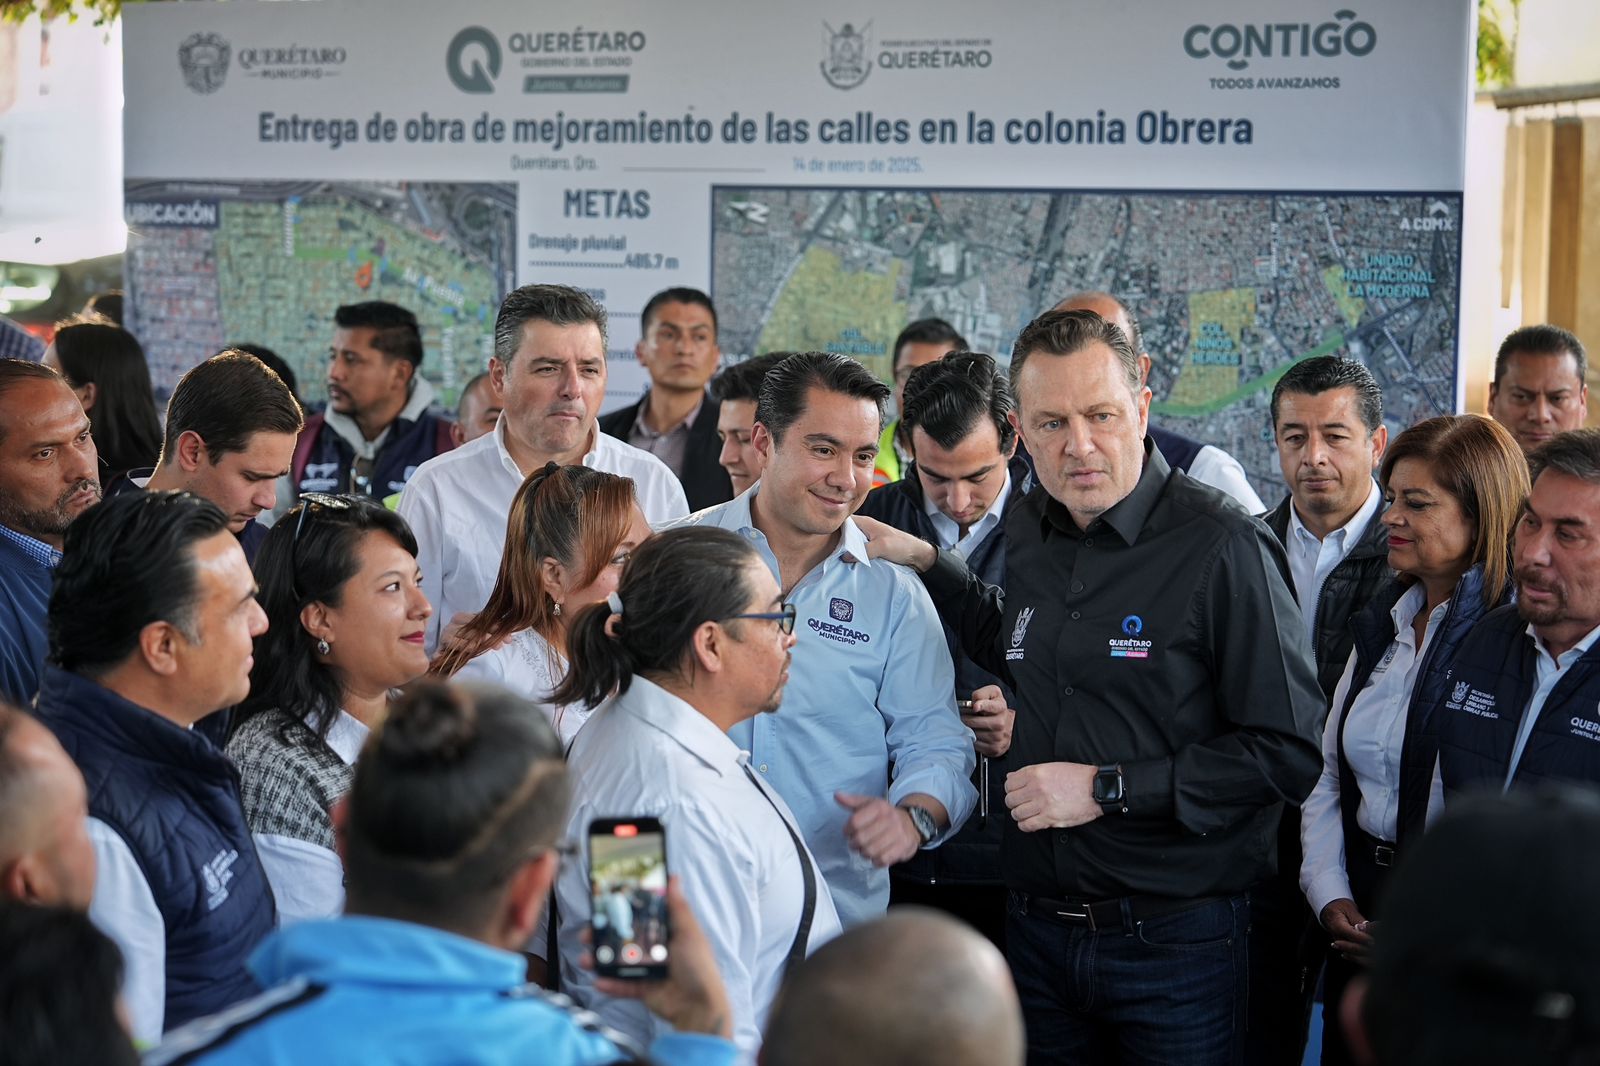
[1482, 708]
[972, 855]
[1179, 451]
[1373, 631]
[323, 459]
[174, 799]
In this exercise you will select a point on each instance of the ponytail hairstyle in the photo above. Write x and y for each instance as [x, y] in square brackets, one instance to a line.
[674, 583]
[572, 514]
[455, 790]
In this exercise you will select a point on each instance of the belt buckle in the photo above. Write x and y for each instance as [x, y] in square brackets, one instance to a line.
[1076, 913]
[1383, 855]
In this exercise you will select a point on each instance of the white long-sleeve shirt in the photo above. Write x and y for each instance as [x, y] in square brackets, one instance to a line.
[648, 752]
[1373, 742]
[530, 666]
[124, 909]
[457, 504]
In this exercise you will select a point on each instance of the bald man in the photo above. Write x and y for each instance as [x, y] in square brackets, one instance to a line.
[913, 987]
[1206, 463]
[45, 854]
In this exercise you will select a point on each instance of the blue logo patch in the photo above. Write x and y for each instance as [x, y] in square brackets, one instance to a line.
[841, 610]
[1133, 625]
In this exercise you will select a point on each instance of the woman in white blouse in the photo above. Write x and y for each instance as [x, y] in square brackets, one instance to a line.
[569, 533]
[346, 616]
[1454, 487]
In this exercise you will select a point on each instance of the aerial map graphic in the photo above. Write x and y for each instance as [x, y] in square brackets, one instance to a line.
[212, 264]
[1230, 288]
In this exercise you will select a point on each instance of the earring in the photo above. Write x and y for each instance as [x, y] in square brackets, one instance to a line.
[322, 647]
[556, 610]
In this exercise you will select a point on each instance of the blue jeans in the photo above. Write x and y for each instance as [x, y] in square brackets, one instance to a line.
[1167, 991]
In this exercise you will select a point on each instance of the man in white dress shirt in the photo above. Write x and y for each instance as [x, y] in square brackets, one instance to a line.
[696, 641]
[549, 369]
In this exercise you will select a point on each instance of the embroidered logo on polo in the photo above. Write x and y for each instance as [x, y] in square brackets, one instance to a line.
[1018, 633]
[1473, 701]
[216, 874]
[1130, 646]
[841, 610]
[839, 633]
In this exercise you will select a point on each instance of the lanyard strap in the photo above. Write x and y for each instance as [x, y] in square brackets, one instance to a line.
[797, 950]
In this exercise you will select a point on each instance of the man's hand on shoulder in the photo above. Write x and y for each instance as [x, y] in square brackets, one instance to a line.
[1052, 795]
[897, 546]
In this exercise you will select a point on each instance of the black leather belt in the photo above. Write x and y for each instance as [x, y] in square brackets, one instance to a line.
[1380, 852]
[1106, 913]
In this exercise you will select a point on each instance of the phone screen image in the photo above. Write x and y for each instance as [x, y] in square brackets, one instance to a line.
[628, 897]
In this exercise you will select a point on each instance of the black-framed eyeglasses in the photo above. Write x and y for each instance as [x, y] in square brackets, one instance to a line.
[308, 500]
[785, 618]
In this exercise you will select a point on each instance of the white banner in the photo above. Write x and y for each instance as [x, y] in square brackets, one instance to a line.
[1260, 179]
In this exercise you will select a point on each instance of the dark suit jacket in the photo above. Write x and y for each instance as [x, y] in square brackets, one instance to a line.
[705, 483]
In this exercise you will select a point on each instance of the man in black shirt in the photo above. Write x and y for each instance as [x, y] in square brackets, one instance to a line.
[1166, 707]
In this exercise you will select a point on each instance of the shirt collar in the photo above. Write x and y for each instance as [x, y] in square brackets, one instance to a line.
[673, 716]
[1573, 653]
[644, 429]
[37, 550]
[852, 546]
[1346, 533]
[1128, 515]
[947, 527]
[511, 464]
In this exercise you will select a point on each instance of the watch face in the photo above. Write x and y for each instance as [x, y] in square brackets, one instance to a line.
[1108, 787]
[923, 821]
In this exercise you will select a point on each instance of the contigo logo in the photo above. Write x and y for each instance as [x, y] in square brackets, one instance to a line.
[203, 58]
[477, 45]
[1237, 45]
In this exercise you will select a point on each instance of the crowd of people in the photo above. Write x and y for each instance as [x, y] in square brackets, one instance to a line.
[1011, 728]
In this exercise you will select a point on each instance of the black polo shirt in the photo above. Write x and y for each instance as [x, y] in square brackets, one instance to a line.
[1165, 638]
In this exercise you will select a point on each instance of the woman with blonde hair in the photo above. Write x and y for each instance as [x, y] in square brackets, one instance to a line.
[1454, 487]
[569, 533]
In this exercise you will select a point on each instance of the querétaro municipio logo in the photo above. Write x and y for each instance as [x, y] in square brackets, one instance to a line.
[847, 64]
[204, 60]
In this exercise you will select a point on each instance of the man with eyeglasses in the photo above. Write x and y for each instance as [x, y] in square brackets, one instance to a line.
[922, 342]
[49, 475]
[1539, 387]
[379, 426]
[867, 749]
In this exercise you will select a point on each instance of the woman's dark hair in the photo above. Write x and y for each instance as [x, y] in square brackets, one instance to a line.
[126, 563]
[675, 582]
[288, 674]
[455, 789]
[58, 990]
[572, 514]
[127, 430]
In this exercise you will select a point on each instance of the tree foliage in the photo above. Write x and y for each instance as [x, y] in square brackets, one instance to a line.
[1498, 22]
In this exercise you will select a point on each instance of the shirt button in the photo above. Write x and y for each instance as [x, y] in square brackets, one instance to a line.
[1088, 542]
[1061, 838]
[1067, 691]
[1077, 586]
[762, 767]
[1076, 616]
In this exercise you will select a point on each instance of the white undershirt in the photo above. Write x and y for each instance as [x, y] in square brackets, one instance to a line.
[124, 909]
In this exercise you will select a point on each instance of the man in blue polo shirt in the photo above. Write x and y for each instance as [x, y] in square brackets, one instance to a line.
[867, 749]
[49, 474]
[1520, 708]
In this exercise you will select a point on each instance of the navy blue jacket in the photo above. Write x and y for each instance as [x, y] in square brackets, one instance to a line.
[1373, 631]
[174, 799]
[1482, 707]
[1179, 451]
[323, 459]
[25, 587]
[972, 856]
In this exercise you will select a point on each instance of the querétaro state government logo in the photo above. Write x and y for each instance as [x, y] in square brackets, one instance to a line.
[847, 64]
[204, 58]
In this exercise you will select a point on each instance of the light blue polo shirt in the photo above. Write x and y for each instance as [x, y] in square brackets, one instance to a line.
[871, 687]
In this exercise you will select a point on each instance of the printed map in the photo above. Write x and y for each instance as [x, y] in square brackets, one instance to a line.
[1230, 288]
[212, 264]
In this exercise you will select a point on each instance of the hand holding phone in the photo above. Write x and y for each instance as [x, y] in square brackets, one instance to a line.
[629, 925]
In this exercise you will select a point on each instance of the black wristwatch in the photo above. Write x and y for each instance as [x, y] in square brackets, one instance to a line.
[922, 821]
[1110, 791]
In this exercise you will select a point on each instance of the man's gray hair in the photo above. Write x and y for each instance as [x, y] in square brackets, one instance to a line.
[559, 305]
[1066, 332]
[1575, 453]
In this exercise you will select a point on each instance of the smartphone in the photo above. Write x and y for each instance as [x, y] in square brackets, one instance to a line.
[628, 898]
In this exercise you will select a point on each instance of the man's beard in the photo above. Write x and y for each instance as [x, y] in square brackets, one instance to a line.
[1542, 615]
[47, 523]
